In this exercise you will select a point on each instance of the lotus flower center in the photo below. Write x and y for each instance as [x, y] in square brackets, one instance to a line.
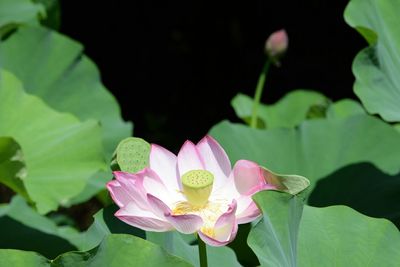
[197, 186]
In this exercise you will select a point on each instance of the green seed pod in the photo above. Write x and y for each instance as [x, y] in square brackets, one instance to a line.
[132, 155]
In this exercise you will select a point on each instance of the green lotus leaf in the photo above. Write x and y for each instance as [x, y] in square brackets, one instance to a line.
[61, 153]
[117, 250]
[53, 13]
[289, 235]
[121, 250]
[377, 68]
[23, 228]
[179, 245]
[53, 67]
[274, 238]
[344, 108]
[15, 12]
[366, 189]
[290, 111]
[317, 148]
[105, 224]
[340, 236]
[20, 258]
[12, 166]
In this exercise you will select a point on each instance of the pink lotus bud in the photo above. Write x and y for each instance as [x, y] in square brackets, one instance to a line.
[276, 44]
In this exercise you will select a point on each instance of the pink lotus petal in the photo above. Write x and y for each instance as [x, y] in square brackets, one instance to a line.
[226, 191]
[164, 163]
[146, 220]
[133, 186]
[152, 183]
[158, 206]
[137, 185]
[187, 224]
[189, 159]
[247, 210]
[248, 177]
[119, 195]
[225, 228]
[215, 159]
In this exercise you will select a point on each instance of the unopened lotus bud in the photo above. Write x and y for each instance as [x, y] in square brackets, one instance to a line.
[276, 45]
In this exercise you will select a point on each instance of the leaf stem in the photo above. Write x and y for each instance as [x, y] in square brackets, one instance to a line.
[202, 252]
[258, 93]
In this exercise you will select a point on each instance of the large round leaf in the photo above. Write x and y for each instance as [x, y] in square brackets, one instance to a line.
[121, 251]
[105, 224]
[317, 147]
[114, 251]
[12, 166]
[61, 153]
[340, 236]
[23, 228]
[362, 187]
[14, 12]
[52, 66]
[377, 68]
[20, 258]
[289, 111]
[175, 244]
[53, 13]
[344, 108]
[332, 236]
[274, 238]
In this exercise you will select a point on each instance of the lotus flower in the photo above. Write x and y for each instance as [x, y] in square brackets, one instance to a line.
[196, 191]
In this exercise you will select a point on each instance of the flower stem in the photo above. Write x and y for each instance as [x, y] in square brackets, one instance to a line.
[258, 93]
[202, 252]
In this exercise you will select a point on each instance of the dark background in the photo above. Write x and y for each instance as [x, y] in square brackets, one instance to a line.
[174, 66]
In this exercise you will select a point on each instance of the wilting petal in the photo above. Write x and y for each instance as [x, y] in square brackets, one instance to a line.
[164, 163]
[189, 159]
[146, 220]
[187, 223]
[247, 210]
[119, 195]
[249, 178]
[215, 159]
[225, 228]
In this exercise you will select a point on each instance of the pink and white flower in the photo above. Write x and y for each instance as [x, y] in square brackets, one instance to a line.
[196, 191]
[277, 43]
